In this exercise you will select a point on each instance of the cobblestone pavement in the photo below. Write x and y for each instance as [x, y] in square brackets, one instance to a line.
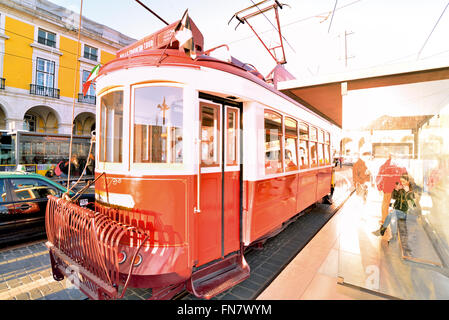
[25, 270]
[25, 274]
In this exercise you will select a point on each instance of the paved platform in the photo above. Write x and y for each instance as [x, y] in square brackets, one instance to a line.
[345, 260]
[415, 244]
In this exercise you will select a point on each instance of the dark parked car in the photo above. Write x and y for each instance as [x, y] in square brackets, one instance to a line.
[23, 200]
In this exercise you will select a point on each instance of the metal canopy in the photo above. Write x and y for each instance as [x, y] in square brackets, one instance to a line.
[324, 95]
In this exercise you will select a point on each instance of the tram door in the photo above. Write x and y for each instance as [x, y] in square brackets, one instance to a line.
[218, 221]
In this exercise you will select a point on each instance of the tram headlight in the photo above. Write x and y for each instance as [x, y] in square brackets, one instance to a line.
[138, 260]
[121, 257]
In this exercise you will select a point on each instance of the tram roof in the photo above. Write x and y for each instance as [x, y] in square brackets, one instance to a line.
[324, 94]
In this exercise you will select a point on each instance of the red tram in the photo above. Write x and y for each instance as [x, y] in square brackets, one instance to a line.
[196, 160]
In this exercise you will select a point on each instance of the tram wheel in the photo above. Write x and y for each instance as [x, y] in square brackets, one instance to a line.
[327, 199]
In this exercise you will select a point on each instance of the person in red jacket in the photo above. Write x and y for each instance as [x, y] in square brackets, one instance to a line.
[386, 180]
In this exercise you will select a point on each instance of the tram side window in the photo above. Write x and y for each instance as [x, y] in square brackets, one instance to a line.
[303, 145]
[320, 154]
[327, 151]
[111, 123]
[313, 154]
[273, 145]
[158, 117]
[291, 144]
[320, 147]
[313, 147]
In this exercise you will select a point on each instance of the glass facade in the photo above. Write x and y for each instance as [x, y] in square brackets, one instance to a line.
[39, 152]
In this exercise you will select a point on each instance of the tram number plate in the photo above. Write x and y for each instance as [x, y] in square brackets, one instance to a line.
[84, 202]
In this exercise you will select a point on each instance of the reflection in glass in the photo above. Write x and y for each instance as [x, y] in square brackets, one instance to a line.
[320, 154]
[291, 147]
[232, 130]
[313, 134]
[158, 117]
[303, 154]
[210, 135]
[313, 154]
[303, 131]
[111, 131]
[402, 128]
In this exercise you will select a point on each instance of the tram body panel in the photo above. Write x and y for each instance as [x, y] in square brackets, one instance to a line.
[307, 187]
[324, 179]
[209, 220]
[231, 212]
[168, 222]
[271, 202]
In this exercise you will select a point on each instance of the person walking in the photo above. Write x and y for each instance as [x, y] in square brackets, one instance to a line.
[360, 175]
[404, 197]
[387, 177]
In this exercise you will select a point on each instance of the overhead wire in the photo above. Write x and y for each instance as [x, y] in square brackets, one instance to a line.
[33, 39]
[332, 18]
[297, 21]
[433, 29]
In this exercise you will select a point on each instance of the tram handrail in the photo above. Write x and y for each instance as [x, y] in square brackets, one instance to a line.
[197, 209]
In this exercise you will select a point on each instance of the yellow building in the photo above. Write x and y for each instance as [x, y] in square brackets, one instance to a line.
[42, 74]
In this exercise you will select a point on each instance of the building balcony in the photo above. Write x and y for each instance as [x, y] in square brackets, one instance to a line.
[2, 83]
[44, 91]
[87, 99]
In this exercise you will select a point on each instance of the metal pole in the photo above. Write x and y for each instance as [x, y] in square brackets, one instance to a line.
[75, 81]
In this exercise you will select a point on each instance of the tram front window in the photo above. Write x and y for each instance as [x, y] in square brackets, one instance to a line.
[158, 116]
[111, 136]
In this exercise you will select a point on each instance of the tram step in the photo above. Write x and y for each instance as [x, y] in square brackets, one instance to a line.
[218, 277]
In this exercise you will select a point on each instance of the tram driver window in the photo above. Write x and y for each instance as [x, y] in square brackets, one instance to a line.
[158, 117]
[273, 145]
[313, 147]
[111, 122]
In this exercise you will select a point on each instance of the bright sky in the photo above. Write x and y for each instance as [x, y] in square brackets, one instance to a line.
[383, 31]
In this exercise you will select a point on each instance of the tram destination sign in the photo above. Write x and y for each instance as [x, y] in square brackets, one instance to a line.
[160, 40]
